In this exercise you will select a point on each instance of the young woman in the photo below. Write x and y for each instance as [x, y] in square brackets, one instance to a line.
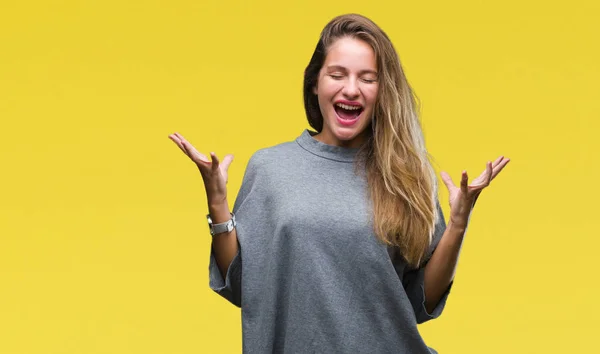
[330, 246]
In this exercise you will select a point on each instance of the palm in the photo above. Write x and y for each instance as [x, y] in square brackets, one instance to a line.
[462, 198]
[213, 172]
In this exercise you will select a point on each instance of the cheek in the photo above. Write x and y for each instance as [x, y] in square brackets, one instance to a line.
[329, 87]
[371, 95]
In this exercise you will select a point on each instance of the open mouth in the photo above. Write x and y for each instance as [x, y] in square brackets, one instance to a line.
[347, 113]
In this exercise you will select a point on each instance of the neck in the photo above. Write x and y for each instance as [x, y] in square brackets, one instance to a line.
[354, 143]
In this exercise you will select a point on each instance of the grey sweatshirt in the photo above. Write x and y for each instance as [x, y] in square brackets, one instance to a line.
[311, 276]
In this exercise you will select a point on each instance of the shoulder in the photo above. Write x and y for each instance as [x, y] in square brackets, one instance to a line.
[267, 165]
[276, 155]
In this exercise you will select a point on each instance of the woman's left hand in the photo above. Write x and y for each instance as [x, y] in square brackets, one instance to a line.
[462, 199]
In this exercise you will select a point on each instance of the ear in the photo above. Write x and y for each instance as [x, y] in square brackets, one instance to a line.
[314, 90]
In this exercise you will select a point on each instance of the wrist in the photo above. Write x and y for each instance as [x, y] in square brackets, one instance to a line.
[457, 226]
[219, 211]
[216, 199]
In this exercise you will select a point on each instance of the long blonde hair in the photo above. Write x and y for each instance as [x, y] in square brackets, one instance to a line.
[402, 182]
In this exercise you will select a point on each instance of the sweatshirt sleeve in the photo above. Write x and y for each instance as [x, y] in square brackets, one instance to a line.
[414, 279]
[231, 287]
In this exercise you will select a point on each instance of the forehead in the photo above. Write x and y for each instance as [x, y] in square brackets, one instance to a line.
[351, 53]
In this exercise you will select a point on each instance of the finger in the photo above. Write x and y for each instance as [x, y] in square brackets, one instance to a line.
[484, 179]
[447, 180]
[173, 137]
[180, 140]
[489, 172]
[177, 142]
[499, 167]
[464, 182]
[215, 161]
[194, 154]
[497, 161]
[226, 162]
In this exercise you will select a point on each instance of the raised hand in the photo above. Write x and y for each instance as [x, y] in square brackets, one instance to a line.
[462, 199]
[213, 173]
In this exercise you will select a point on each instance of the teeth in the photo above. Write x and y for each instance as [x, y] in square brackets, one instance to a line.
[350, 108]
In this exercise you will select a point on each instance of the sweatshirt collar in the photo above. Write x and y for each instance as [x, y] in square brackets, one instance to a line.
[337, 153]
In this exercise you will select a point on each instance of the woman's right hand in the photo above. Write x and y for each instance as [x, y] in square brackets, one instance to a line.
[213, 173]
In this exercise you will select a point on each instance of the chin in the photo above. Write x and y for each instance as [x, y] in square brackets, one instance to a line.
[346, 135]
[349, 132]
[343, 136]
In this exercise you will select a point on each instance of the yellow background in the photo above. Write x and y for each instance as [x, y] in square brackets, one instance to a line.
[103, 241]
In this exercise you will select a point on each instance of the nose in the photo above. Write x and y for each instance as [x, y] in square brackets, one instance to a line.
[350, 89]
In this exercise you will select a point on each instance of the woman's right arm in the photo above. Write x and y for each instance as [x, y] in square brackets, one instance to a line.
[214, 174]
[225, 245]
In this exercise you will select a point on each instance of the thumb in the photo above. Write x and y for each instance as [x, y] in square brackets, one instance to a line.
[447, 180]
[227, 161]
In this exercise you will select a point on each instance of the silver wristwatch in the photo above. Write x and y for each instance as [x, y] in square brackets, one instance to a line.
[227, 226]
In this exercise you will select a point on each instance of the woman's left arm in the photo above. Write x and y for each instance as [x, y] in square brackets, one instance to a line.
[440, 270]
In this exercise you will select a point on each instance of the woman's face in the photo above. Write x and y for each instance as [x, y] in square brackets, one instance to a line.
[347, 90]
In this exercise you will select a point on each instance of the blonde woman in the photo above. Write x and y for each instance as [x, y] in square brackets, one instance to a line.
[337, 242]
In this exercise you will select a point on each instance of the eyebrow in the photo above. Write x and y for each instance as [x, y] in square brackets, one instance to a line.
[339, 67]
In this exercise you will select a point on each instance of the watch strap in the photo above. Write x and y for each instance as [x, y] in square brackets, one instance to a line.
[226, 226]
